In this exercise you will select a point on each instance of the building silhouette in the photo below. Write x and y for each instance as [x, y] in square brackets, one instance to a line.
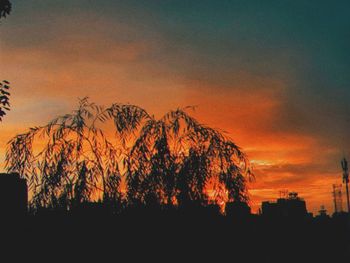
[237, 210]
[13, 195]
[322, 214]
[291, 206]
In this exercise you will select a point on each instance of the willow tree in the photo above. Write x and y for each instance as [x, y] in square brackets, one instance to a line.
[176, 160]
[71, 160]
[172, 161]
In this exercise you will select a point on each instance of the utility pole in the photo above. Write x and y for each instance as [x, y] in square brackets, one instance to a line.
[335, 199]
[344, 165]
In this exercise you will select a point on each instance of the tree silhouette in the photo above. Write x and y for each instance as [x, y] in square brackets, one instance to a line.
[77, 162]
[171, 161]
[5, 8]
[174, 159]
[4, 98]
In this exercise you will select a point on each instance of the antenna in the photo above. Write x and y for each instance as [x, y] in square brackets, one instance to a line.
[283, 193]
[337, 198]
[322, 211]
[344, 165]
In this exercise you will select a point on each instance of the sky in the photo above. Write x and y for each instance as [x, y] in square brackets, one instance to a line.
[275, 75]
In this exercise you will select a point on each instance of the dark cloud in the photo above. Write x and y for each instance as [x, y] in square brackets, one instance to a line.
[304, 44]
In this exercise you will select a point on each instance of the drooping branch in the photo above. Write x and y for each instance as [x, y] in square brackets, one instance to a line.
[173, 160]
[4, 97]
[183, 156]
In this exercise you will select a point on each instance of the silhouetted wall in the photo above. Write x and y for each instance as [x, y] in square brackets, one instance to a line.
[293, 206]
[237, 210]
[13, 195]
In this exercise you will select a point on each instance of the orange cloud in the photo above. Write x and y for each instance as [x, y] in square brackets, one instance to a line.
[109, 67]
[281, 160]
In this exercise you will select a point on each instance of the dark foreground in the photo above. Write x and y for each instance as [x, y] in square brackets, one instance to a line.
[176, 238]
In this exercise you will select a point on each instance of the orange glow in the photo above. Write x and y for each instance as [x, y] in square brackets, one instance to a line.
[47, 82]
[281, 160]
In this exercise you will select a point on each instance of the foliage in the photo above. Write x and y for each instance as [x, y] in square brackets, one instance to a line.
[173, 161]
[5, 8]
[4, 98]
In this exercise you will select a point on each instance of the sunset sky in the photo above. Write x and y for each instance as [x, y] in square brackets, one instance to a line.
[275, 75]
